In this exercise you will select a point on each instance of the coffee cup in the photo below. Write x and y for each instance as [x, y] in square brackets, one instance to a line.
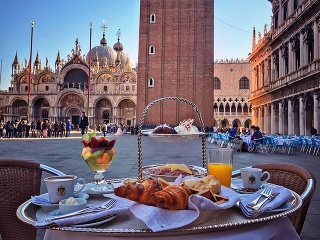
[251, 177]
[62, 187]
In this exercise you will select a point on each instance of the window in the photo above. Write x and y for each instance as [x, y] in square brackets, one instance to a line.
[127, 88]
[47, 88]
[275, 21]
[285, 11]
[244, 83]
[26, 88]
[151, 82]
[152, 18]
[44, 114]
[152, 50]
[105, 115]
[295, 4]
[216, 83]
[105, 88]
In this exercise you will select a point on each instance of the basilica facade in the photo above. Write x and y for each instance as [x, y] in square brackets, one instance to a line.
[62, 93]
[286, 69]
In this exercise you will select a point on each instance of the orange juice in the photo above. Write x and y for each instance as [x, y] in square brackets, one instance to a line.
[222, 171]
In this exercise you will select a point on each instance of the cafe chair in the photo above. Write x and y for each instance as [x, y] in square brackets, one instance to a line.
[19, 180]
[294, 178]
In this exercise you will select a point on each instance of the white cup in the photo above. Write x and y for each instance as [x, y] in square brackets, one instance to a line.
[62, 187]
[251, 177]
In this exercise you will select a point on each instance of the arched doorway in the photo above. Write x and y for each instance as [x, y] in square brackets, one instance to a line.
[103, 111]
[127, 109]
[40, 109]
[19, 109]
[74, 115]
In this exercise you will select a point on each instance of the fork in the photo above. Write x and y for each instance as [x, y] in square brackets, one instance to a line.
[101, 207]
[263, 193]
[269, 198]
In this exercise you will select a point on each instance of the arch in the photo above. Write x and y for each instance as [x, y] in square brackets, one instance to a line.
[65, 92]
[103, 110]
[236, 121]
[216, 83]
[152, 18]
[19, 107]
[71, 99]
[152, 50]
[247, 123]
[150, 82]
[126, 111]
[244, 83]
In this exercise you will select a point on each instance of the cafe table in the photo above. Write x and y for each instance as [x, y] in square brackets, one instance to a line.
[227, 224]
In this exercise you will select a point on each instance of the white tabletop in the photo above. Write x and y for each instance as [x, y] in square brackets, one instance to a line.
[277, 229]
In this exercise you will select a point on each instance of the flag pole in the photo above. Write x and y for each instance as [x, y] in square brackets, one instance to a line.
[89, 75]
[30, 64]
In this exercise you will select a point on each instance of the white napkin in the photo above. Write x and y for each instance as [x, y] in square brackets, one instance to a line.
[158, 219]
[40, 200]
[283, 195]
[120, 207]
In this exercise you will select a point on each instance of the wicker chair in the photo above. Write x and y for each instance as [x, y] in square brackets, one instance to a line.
[19, 180]
[294, 178]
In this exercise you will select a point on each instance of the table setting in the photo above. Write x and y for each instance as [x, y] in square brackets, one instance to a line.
[180, 200]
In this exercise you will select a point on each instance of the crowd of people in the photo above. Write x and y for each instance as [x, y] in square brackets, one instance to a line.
[35, 129]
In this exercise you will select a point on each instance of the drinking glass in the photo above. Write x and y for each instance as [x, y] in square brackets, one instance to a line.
[220, 164]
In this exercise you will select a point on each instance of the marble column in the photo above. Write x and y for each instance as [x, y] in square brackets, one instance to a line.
[280, 117]
[272, 119]
[265, 120]
[302, 124]
[302, 52]
[291, 58]
[290, 117]
[316, 117]
[316, 33]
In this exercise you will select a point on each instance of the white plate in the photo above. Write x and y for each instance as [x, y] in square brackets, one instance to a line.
[287, 205]
[90, 188]
[92, 223]
[55, 206]
[171, 137]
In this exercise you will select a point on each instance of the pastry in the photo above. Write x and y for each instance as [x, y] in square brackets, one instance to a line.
[140, 192]
[164, 129]
[172, 197]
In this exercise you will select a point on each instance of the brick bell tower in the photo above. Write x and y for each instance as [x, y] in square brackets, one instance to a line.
[175, 59]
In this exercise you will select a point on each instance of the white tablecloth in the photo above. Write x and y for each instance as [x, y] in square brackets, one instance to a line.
[246, 139]
[278, 229]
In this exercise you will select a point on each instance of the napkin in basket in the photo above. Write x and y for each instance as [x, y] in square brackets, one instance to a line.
[282, 196]
[120, 207]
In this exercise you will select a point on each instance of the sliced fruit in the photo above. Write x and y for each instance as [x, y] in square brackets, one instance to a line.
[99, 160]
[103, 142]
[106, 158]
[85, 137]
[92, 135]
[111, 143]
[85, 143]
[85, 150]
[87, 156]
[97, 154]
[94, 143]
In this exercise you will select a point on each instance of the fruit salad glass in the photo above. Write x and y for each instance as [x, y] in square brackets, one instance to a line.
[98, 158]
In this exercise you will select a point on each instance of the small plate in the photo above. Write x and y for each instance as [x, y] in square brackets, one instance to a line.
[171, 137]
[55, 206]
[92, 223]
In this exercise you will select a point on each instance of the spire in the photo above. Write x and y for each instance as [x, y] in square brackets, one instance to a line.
[103, 41]
[37, 60]
[15, 61]
[254, 38]
[58, 60]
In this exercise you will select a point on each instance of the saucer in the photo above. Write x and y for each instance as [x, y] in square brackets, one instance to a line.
[49, 206]
[237, 186]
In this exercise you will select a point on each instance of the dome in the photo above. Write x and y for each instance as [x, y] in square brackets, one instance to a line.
[103, 52]
[125, 60]
[118, 46]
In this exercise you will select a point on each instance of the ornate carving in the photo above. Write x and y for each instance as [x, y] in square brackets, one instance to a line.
[72, 100]
[275, 57]
[275, 5]
[105, 78]
[284, 50]
[127, 78]
[295, 43]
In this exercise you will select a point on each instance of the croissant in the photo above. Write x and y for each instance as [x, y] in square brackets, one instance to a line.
[141, 192]
[172, 197]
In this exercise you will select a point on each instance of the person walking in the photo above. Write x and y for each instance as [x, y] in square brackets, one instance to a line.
[84, 123]
[68, 128]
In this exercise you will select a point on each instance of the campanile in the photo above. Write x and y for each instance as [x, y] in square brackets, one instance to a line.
[175, 59]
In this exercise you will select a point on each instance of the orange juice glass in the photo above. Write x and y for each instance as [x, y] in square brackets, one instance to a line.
[220, 164]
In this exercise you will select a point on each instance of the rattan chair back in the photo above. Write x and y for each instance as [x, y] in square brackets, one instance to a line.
[294, 178]
[19, 180]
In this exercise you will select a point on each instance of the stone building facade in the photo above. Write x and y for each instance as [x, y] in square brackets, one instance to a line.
[286, 69]
[231, 83]
[175, 59]
[62, 93]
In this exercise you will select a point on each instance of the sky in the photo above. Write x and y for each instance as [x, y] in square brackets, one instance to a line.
[58, 23]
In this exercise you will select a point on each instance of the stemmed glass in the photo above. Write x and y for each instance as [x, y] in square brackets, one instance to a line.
[99, 159]
[98, 165]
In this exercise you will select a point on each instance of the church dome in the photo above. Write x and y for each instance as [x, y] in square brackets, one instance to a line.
[103, 53]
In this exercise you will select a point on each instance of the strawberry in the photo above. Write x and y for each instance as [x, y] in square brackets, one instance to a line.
[85, 143]
[95, 143]
[104, 142]
[111, 143]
